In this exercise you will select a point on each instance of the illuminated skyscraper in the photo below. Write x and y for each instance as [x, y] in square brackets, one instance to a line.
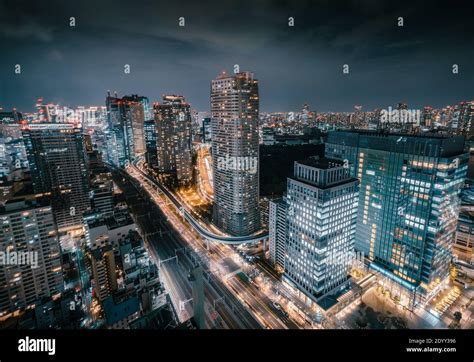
[321, 218]
[173, 137]
[29, 234]
[57, 161]
[151, 153]
[408, 203]
[234, 123]
[126, 118]
[206, 130]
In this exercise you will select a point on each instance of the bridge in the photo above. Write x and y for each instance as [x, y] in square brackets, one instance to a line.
[199, 227]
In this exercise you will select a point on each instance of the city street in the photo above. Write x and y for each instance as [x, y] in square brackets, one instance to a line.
[261, 305]
[175, 262]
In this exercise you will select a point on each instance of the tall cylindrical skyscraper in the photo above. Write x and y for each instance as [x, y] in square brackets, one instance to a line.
[234, 113]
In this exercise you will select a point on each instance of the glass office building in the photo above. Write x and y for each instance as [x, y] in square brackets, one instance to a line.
[408, 201]
[151, 155]
[126, 117]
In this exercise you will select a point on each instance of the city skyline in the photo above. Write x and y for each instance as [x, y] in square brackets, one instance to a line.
[296, 64]
[321, 181]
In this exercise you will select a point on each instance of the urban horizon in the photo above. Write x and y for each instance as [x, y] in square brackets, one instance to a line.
[99, 104]
[332, 56]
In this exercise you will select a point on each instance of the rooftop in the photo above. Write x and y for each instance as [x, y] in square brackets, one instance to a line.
[322, 162]
[24, 204]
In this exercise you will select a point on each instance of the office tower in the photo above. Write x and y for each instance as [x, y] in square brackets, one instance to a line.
[126, 118]
[408, 202]
[235, 152]
[30, 255]
[277, 229]
[115, 134]
[321, 218]
[151, 154]
[103, 269]
[173, 137]
[206, 130]
[58, 165]
[463, 247]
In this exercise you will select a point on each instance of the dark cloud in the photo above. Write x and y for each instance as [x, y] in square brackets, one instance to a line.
[294, 64]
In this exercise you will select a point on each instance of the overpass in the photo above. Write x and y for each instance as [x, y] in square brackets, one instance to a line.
[199, 227]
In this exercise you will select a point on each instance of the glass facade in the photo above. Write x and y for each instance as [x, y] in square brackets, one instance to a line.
[150, 143]
[408, 202]
[126, 118]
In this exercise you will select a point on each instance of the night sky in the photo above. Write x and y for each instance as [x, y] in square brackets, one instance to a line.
[388, 64]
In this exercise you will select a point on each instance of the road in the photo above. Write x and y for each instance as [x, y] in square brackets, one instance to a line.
[214, 254]
[200, 225]
[175, 259]
[204, 168]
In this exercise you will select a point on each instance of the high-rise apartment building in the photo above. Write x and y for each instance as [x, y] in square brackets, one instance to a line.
[235, 152]
[103, 270]
[321, 218]
[58, 165]
[30, 256]
[173, 137]
[408, 203]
